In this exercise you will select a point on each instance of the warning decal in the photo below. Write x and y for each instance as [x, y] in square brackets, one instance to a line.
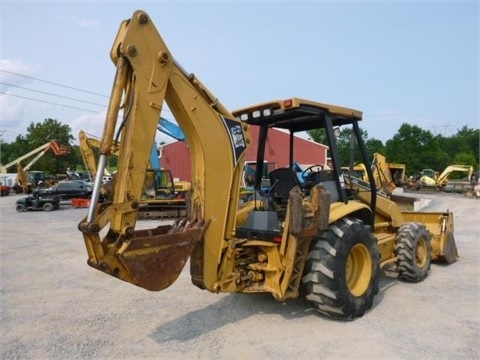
[237, 139]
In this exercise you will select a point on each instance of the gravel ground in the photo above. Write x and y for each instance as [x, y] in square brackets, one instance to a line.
[54, 306]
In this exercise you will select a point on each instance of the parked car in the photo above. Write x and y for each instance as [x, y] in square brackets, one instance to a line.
[35, 202]
[66, 190]
[87, 178]
[4, 190]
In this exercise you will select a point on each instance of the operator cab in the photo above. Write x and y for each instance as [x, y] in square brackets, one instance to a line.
[298, 115]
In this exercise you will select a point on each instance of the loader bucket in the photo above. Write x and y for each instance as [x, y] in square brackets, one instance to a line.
[153, 258]
[440, 227]
[449, 253]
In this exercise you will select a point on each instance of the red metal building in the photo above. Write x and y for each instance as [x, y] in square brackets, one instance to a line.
[176, 157]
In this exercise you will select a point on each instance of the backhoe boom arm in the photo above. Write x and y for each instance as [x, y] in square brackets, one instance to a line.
[147, 75]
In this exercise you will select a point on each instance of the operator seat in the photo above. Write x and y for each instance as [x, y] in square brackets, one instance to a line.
[325, 179]
[316, 177]
[282, 180]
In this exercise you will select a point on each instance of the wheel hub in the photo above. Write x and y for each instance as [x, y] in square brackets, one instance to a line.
[358, 269]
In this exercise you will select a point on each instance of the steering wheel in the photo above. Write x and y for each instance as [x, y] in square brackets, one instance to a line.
[306, 173]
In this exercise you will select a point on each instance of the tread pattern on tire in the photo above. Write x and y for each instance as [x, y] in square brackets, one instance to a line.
[406, 244]
[324, 281]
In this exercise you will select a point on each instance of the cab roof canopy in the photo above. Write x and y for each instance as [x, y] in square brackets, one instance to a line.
[297, 114]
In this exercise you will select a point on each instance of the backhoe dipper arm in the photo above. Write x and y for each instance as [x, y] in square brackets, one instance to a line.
[88, 155]
[443, 177]
[147, 75]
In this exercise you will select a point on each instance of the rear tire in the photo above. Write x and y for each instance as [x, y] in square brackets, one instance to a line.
[414, 251]
[342, 270]
[48, 206]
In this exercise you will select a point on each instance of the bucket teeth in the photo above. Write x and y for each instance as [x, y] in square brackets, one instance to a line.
[178, 226]
[185, 224]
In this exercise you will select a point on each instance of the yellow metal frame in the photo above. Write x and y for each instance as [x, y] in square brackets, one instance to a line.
[147, 77]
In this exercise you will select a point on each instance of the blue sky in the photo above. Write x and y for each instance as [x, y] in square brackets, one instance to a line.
[413, 62]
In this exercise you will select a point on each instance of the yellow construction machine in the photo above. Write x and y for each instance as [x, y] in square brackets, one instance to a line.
[430, 179]
[381, 174]
[326, 239]
[88, 148]
[161, 197]
[26, 180]
[358, 170]
[398, 173]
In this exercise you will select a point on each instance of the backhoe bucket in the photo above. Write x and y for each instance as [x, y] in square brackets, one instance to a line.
[440, 227]
[153, 258]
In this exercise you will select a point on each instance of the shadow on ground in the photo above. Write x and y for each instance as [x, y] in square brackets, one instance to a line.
[236, 307]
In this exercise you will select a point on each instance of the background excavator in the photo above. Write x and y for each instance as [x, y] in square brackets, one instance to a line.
[161, 197]
[430, 179]
[326, 239]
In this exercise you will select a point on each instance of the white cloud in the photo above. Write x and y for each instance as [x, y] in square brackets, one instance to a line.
[12, 68]
[15, 112]
[20, 107]
[92, 124]
[86, 23]
[12, 109]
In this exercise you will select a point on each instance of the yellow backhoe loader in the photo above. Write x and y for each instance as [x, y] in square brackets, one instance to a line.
[88, 147]
[381, 174]
[326, 239]
[398, 173]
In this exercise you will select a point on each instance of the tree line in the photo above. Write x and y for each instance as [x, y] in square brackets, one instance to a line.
[413, 146]
[37, 135]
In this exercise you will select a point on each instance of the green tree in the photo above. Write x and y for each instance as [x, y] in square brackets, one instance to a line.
[465, 158]
[7, 153]
[77, 160]
[348, 147]
[318, 135]
[374, 146]
[465, 141]
[11, 152]
[435, 156]
[39, 134]
[416, 148]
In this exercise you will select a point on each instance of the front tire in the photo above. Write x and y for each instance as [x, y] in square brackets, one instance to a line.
[342, 270]
[414, 251]
[48, 206]
[21, 208]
